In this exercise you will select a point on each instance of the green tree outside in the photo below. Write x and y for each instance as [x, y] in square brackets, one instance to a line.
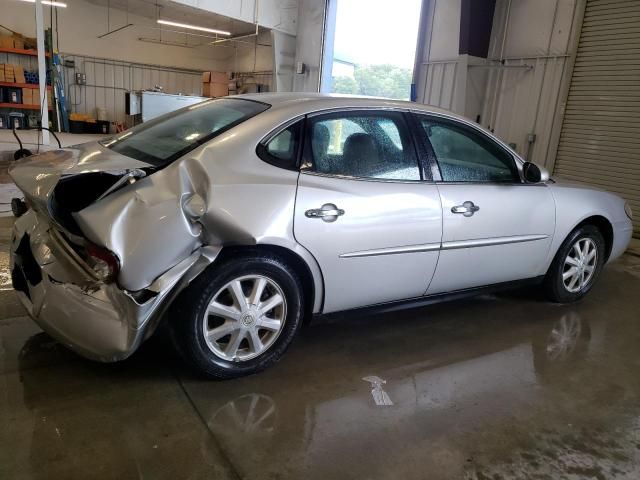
[376, 80]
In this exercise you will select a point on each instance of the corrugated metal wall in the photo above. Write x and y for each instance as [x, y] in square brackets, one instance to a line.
[521, 99]
[600, 137]
[515, 91]
[107, 81]
[436, 84]
[534, 39]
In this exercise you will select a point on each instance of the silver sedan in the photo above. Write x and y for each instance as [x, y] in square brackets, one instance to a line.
[235, 219]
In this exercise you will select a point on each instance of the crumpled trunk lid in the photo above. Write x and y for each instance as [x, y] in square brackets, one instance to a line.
[142, 221]
[45, 178]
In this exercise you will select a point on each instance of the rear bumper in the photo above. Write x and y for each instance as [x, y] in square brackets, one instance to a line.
[99, 321]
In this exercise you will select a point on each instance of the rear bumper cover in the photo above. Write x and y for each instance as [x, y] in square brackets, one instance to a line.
[99, 321]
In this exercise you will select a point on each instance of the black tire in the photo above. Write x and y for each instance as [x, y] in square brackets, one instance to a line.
[187, 312]
[554, 286]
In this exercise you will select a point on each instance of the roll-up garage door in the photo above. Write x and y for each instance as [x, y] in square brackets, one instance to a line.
[600, 138]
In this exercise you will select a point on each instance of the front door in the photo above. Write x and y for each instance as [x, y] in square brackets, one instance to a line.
[363, 210]
[496, 228]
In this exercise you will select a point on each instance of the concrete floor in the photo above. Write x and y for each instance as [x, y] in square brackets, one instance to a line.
[495, 387]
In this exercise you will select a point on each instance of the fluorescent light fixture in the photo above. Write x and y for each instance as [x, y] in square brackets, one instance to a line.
[49, 2]
[186, 25]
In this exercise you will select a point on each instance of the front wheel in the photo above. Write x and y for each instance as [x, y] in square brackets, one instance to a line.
[239, 317]
[576, 266]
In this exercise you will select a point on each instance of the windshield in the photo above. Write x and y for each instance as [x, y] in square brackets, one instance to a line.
[162, 140]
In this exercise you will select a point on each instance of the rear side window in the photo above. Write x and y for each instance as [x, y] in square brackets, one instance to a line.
[168, 137]
[281, 149]
[362, 145]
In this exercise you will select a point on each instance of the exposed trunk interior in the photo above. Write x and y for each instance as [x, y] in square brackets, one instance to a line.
[77, 192]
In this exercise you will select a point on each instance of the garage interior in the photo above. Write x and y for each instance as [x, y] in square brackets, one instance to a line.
[497, 386]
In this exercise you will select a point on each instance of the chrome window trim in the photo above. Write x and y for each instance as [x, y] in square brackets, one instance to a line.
[305, 171]
[369, 108]
[495, 184]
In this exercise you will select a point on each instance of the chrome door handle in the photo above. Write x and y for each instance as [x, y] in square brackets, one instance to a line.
[467, 209]
[328, 212]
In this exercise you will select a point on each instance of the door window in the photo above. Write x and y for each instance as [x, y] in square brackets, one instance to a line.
[465, 155]
[282, 148]
[363, 145]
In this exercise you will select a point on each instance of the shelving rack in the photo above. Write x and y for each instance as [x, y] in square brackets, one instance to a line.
[22, 106]
[22, 51]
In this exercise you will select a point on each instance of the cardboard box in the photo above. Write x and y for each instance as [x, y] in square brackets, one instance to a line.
[30, 43]
[215, 77]
[18, 43]
[19, 74]
[8, 73]
[28, 96]
[215, 90]
[6, 41]
[2, 73]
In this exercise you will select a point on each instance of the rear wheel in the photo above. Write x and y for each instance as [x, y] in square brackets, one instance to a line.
[576, 266]
[239, 317]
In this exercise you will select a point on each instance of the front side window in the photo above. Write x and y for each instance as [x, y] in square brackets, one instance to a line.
[362, 145]
[163, 139]
[465, 155]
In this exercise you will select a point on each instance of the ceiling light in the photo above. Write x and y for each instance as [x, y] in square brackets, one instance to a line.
[193, 27]
[49, 2]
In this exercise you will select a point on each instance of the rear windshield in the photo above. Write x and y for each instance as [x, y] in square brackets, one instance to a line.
[163, 139]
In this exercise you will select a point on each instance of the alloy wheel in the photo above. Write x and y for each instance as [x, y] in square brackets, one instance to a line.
[564, 337]
[244, 318]
[579, 265]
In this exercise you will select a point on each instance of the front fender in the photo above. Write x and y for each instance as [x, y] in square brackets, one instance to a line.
[577, 203]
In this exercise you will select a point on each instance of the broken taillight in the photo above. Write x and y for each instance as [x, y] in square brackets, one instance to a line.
[104, 262]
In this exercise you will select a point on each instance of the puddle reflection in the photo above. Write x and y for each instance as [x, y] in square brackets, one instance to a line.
[478, 377]
[327, 419]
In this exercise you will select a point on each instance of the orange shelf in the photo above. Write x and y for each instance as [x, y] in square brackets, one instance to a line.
[21, 106]
[21, 51]
[22, 85]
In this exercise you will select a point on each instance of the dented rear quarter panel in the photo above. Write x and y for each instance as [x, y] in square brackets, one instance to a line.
[246, 202]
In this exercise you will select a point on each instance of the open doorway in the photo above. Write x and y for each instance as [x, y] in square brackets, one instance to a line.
[370, 47]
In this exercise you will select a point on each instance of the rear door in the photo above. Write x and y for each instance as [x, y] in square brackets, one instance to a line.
[496, 228]
[363, 210]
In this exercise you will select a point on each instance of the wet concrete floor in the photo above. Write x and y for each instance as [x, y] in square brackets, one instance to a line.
[504, 386]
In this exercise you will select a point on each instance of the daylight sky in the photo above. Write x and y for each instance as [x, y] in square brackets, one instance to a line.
[377, 31]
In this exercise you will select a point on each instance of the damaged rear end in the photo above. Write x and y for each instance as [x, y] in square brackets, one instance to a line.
[75, 261]
[113, 230]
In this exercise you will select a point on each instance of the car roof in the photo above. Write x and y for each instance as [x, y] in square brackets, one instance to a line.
[309, 102]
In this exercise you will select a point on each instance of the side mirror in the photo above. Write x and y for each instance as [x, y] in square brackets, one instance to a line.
[534, 174]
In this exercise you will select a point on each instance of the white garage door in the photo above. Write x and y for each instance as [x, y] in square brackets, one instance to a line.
[600, 138]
